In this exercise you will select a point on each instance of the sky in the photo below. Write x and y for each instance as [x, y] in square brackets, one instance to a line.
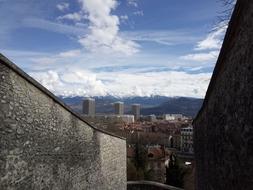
[114, 47]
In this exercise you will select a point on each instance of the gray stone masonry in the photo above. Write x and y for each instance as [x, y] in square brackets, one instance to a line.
[44, 145]
[223, 129]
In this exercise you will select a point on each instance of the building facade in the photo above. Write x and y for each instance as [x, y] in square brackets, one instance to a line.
[171, 117]
[187, 140]
[136, 110]
[119, 108]
[89, 107]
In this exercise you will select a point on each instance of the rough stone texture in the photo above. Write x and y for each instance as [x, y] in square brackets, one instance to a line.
[223, 129]
[45, 146]
[149, 185]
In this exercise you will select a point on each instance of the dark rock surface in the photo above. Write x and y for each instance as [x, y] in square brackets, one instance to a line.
[223, 129]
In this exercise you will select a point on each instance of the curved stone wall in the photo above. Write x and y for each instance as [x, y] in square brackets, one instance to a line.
[44, 145]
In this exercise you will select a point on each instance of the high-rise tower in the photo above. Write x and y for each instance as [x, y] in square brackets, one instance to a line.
[136, 109]
[119, 108]
[89, 107]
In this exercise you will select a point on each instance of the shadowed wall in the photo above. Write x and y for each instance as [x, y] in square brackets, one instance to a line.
[223, 129]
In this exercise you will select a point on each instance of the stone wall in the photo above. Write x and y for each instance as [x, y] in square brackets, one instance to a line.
[149, 185]
[44, 145]
[223, 129]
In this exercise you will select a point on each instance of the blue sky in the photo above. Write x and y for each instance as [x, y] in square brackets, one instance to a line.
[114, 47]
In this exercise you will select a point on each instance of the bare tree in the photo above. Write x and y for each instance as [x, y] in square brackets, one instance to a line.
[225, 14]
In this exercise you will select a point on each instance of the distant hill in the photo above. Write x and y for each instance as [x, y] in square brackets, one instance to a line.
[185, 106]
[149, 105]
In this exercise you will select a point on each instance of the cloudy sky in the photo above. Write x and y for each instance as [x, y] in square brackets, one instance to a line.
[114, 47]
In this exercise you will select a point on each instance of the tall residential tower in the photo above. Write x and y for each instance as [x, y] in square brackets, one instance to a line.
[89, 107]
[119, 108]
[136, 109]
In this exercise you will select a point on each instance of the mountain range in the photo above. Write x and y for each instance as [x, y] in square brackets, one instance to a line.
[157, 105]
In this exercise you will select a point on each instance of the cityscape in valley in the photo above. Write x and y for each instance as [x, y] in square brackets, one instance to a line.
[126, 95]
[152, 141]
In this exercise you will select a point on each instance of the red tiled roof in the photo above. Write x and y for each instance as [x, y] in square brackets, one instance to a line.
[130, 152]
[156, 152]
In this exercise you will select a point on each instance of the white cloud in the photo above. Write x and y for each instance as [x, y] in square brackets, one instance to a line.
[71, 83]
[164, 37]
[49, 79]
[72, 73]
[62, 6]
[103, 36]
[200, 57]
[213, 40]
[44, 60]
[70, 53]
[212, 43]
[86, 83]
[72, 16]
[138, 13]
[53, 26]
[123, 18]
[99, 35]
[132, 3]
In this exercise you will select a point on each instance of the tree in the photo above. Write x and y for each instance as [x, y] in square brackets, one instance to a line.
[225, 15]
[175, 173]
[131, 171]
[141, 155]
[139, 164]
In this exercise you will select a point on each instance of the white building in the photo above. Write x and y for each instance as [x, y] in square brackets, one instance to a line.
[114, 117]
[187, 140]
[171, 117]
[149, 118]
